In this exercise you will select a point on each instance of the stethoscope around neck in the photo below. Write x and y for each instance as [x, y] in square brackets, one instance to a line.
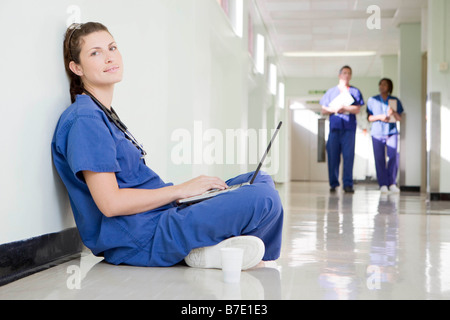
[114, 118]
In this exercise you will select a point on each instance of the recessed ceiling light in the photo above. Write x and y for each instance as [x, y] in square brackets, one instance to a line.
[319, 54]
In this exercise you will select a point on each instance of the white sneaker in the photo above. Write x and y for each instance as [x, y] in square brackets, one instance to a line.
[393, 188]
[210, 257]
[384, 189]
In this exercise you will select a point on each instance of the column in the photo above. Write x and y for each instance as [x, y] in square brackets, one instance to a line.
[410, 87]
[439, 109]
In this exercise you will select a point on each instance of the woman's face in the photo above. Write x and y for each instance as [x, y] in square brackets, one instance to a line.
[100, 61]
[384, 87]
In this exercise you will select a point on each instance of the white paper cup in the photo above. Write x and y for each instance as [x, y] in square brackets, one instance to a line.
[232, 264]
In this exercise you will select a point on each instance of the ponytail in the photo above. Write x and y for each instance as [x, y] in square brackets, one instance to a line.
[76, 86]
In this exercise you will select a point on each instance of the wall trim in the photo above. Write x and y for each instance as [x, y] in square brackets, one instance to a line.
[23, 258]
[439, 196]
[410, 188]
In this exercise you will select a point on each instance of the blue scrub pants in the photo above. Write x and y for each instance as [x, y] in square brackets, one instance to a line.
[250, 210]
[382, 146]
[341, 141]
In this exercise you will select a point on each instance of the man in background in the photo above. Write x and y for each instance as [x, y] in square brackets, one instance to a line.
[342, 103]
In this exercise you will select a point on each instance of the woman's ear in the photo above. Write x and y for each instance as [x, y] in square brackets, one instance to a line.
[75, 68]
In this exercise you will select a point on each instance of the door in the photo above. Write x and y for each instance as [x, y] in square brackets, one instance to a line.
[307, 161]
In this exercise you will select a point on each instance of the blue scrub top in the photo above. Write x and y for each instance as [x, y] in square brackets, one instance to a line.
[85, 139]
[376, 106]
[342, 121]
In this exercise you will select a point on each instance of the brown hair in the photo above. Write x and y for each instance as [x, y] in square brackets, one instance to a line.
[72, 48]
[345, 67]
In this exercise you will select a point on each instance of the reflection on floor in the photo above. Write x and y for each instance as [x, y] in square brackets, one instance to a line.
[335, 246]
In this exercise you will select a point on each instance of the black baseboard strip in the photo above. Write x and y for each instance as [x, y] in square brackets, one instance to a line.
[23, 258]
[440, 196]
[410, 188]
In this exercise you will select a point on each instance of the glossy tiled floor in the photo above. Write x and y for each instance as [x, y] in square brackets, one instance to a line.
[339, 246]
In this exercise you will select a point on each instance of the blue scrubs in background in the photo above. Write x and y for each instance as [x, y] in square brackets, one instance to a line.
[384, 140]
[341, 139]
[85, 139]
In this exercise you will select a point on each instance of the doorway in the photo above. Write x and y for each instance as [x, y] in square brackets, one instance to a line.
[309, 132]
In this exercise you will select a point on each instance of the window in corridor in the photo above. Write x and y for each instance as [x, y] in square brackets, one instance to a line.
[234, 9]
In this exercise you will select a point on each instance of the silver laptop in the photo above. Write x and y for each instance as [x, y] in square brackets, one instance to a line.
[214, 192]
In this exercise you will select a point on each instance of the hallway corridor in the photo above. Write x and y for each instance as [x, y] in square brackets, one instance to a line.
[338, 246]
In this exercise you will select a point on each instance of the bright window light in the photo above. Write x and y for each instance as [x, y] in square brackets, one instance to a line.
[260, 54]
[321, 54]
[234, 9]
[273, 79]
[238, 18]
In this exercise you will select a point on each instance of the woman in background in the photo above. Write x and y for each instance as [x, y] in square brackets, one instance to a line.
[384, 111]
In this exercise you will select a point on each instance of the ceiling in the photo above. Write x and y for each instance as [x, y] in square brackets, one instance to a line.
[335, 25]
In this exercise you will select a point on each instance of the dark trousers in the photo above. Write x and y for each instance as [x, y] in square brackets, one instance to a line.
[382, 146]
[341, 142]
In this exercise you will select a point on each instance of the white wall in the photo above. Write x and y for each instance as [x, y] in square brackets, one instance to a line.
[34, 93]
[183, 63]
